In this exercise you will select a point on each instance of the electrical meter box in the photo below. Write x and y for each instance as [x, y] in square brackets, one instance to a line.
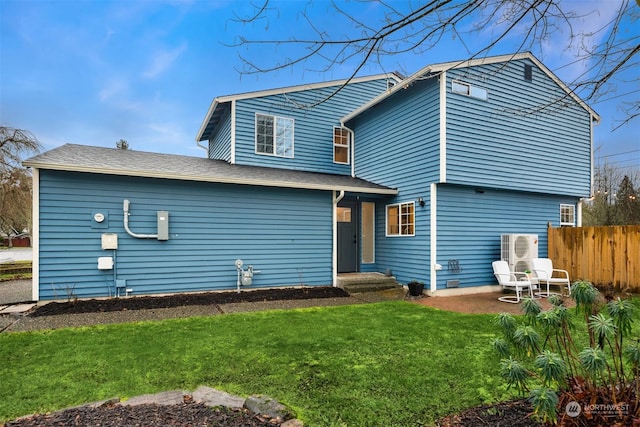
[109, 241]
[163, 225]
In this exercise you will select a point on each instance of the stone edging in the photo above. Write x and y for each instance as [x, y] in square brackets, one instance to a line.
[208, 396]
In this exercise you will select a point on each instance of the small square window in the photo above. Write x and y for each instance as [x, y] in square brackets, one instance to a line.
[401, 219]
[567, 215]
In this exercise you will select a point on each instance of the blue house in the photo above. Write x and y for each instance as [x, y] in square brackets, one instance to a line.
[417, 176]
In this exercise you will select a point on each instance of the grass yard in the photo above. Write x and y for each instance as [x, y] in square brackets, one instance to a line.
[387, 364]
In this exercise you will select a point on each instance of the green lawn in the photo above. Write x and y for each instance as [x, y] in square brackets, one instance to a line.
[387, 364]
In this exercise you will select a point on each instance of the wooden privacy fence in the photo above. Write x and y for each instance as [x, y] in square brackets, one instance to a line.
[602, 255]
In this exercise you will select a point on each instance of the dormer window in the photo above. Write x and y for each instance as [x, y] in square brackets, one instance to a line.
[274, 135]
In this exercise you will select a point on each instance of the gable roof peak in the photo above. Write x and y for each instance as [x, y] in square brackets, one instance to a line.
[466, 63]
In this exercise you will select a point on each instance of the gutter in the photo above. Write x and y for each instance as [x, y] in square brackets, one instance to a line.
[215, 179]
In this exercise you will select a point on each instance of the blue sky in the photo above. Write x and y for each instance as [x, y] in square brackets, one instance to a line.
[94, 72]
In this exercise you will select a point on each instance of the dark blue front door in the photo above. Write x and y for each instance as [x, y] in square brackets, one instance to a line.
[347, 237]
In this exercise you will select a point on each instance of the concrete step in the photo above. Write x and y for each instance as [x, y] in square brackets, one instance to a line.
[366, 282]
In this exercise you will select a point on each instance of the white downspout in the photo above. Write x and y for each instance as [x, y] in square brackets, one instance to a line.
[334, 255]
[35, 234]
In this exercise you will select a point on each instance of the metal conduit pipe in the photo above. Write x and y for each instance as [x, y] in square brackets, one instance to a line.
[125, 207]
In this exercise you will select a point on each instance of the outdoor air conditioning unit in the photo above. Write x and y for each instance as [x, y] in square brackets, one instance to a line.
[518, 250]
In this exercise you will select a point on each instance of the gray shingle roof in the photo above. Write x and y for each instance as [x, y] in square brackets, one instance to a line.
[111, 161]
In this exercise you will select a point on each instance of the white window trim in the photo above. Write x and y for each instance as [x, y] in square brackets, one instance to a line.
[573, 209]
[348, 146]
[386, 219]
[472, 90]
[275, 118]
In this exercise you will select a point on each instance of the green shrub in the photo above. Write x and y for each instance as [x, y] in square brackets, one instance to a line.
[540, 358]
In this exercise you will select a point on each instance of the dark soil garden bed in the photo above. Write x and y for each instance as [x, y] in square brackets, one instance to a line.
[180, 300]
[514, 413]
[184, 415]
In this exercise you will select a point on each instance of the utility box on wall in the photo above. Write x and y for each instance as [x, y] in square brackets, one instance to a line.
[163, 225]
[109, 241]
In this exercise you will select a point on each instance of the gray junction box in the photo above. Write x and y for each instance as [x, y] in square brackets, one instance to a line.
[163, 225]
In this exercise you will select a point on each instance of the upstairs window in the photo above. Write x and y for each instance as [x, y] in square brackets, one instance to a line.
[340, 145]
[567, 215]
[274, 135]
[401, 219]
[463, 88]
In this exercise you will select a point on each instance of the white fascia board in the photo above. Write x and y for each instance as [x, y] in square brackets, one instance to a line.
[300, 88]
[215, 179]
[205, 122]
[283, 90]
[444, 66]
[515, 57]
[403, 84]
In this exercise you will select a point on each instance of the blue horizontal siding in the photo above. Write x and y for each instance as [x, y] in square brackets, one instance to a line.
[313, 127]
[284, 233]
[527, 136]
[220, 144]
[470, 224]
[397, 142]
[397, 145]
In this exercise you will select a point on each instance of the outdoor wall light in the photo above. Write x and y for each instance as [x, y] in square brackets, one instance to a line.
[420, 201]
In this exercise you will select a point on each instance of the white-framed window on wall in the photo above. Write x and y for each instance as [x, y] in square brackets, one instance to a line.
[274, 135]
[340, 145]
[567, 215]
[401, 219]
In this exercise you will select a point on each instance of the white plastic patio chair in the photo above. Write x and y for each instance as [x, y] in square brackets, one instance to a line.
[547, 275]
[515, 281]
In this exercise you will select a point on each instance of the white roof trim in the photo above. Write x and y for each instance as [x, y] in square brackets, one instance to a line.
[288, 89]
[216, 179]
[444, 66]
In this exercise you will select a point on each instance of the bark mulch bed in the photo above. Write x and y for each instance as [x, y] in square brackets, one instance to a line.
[180, 300]
[514, 413]
[184, 415]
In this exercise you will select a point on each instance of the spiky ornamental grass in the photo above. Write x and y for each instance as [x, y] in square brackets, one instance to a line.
[606, 371]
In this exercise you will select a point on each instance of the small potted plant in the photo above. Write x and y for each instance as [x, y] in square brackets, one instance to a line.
[415, 288]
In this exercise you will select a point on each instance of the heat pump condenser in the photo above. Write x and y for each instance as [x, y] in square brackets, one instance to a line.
[518, 250]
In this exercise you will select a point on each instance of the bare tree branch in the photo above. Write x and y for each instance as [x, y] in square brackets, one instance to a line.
[418, 29]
